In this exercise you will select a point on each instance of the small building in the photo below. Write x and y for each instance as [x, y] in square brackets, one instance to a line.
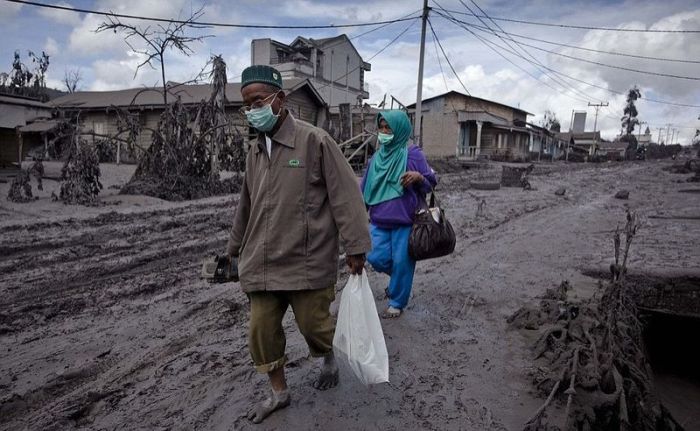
[644, 139]
[545, 144]
[15, 113]
[99, 118]
[333, 64]
[468, 127]
[588, 142]
[613, 150]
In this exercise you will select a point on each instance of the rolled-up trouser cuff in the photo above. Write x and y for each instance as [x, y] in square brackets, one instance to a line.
[320, 354]
[271, 366]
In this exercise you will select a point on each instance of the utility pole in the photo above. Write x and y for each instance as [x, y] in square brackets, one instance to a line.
[668, 129]
[419, 96]
[597, 106]
[658, 141]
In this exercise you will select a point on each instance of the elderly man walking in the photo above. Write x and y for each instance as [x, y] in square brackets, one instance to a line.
[298, 195]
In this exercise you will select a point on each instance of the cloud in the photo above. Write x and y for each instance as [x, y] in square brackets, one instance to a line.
[60, 16]
[51, 47]
[8, 11]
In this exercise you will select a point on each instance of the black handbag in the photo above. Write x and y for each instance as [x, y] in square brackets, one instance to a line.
[431, 238]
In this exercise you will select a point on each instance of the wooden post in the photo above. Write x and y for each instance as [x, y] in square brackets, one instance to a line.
[20, 144]
[119, 152]
[46, 145]
[345, 119]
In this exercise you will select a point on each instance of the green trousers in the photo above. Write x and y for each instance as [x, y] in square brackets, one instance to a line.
[266, 339]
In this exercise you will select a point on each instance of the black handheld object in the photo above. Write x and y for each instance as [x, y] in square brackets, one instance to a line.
[220, 269]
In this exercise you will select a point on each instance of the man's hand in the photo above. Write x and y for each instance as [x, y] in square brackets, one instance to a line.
[356, 263]
[411, 177]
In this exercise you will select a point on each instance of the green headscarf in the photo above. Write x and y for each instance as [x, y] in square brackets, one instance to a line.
[383, 180]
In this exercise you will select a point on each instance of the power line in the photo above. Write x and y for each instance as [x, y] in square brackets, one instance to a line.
[391, 42]
[622, 54]
[200, 23]
[646, 72]
[487, 42]
[364, 34]
[565, 85]
[580, 27]
[447, 59]
[629, 69]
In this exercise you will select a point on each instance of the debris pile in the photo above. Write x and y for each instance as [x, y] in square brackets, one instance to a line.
[592, 357]
[80, 175]
[21, 188]
[177, 165]
[512, 176]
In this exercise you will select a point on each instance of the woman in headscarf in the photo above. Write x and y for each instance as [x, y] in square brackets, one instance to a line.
[396, 181]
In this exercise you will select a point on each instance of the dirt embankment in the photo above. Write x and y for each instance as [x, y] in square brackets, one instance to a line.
[104, 323]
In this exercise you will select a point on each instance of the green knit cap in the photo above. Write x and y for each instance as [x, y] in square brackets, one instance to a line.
[261, 73]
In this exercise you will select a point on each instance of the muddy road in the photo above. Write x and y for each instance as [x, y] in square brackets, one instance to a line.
[105, 324]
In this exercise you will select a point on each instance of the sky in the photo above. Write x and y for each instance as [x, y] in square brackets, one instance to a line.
[106, 62]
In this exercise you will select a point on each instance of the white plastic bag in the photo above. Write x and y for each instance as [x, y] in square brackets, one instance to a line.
[359, 339]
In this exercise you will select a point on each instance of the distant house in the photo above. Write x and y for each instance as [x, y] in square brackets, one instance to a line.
[99, 119]
[17, 112]
[644, 139]
[613, 150]
[545, 144]
[588, 142]
[333, 65]
[455, 124]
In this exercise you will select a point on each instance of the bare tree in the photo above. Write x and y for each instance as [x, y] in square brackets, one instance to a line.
[550, 121]
[71, 79]
[158, 39]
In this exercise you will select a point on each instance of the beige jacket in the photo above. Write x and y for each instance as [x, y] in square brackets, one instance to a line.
[292, 207]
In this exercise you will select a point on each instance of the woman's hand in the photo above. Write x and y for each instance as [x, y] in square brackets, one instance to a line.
[411, 177]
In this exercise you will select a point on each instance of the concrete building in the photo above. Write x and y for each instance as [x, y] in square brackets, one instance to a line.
[332, 64]
[455, 124]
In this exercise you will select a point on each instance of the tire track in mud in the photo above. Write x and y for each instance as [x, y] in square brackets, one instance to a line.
[137, 264]
[57, 269]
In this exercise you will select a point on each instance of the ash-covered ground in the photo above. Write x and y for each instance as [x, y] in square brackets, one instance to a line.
[105, 323]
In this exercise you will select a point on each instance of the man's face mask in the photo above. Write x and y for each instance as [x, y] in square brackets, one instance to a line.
[263, 118]
[384, 138]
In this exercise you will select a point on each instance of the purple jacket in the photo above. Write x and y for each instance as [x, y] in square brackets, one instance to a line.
[399, 212]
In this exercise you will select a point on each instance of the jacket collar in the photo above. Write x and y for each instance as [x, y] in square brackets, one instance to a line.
[284, 135]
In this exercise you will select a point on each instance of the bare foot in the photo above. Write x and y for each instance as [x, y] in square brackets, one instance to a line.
[329, 374]
[276, 401]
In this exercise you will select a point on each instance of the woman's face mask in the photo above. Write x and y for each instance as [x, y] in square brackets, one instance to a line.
[263, 118]
[384, 138]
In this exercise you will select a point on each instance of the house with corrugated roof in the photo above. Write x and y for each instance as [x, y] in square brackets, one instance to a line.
[16, 112]
[98, 116]
[455, 124]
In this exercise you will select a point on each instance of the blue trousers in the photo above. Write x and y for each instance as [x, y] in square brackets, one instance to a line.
[390, 255]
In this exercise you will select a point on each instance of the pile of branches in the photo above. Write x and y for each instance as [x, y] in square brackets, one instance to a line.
[189, 147]
[21, 187]
[178, 164]
[592, 357]
[80, 175]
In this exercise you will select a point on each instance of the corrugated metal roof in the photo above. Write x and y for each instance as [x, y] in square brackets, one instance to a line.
[22, 101]
[153, 97]
[39, 126]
